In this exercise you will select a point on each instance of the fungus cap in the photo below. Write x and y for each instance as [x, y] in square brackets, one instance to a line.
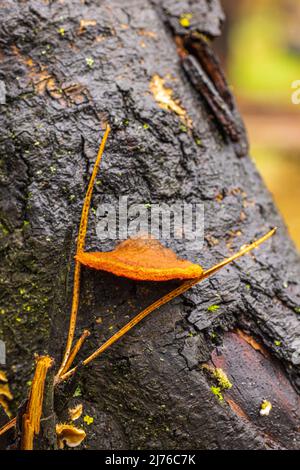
[141, 259]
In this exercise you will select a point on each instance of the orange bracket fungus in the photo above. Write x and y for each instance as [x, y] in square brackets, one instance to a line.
[32, 417]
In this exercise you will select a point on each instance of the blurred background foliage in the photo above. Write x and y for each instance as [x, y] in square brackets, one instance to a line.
[260, 51]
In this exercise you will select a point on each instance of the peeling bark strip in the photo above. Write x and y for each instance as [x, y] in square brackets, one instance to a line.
[206, 75]
[204, 70]
[150, 389]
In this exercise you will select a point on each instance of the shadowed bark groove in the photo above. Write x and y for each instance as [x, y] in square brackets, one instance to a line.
[68, 67]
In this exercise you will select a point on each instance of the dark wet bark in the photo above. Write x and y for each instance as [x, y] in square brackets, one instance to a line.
[62, 83]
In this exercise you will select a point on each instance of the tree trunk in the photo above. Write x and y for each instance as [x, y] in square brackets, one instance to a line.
[68, 67]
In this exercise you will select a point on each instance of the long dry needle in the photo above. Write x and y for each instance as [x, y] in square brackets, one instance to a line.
[80, 247]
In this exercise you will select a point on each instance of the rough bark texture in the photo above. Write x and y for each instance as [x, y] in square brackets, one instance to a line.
[149, 390]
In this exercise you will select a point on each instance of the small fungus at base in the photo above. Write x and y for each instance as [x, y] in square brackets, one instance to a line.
[69, 435]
